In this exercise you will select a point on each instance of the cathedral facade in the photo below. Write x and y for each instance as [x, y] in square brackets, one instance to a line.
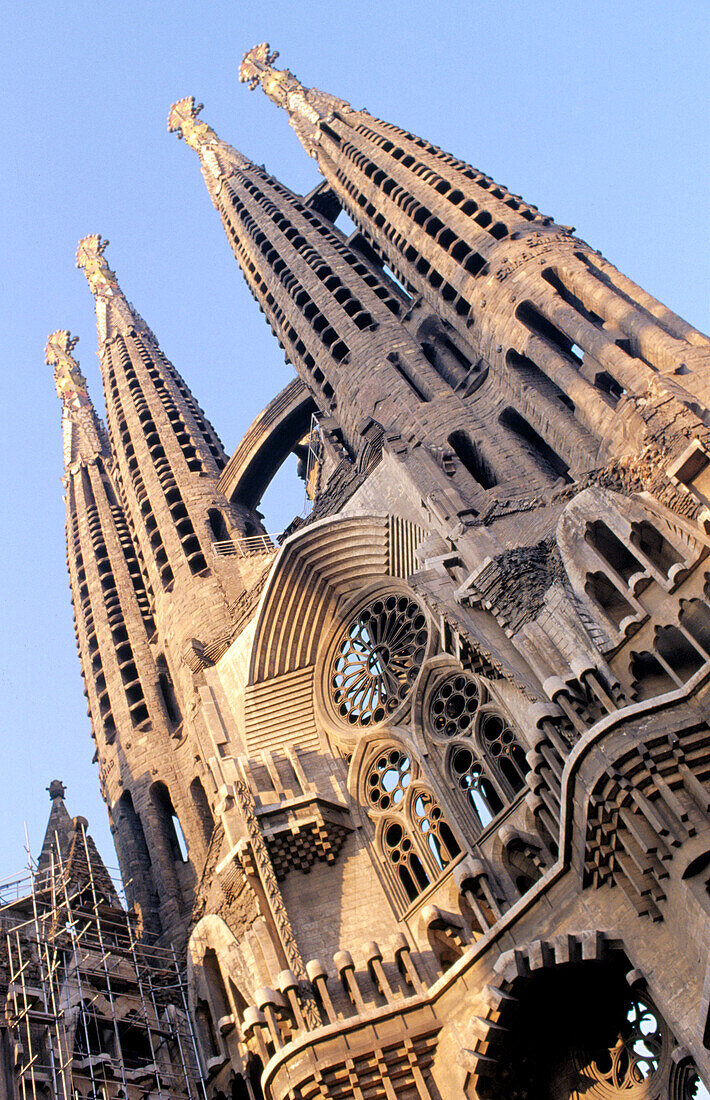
[418, 790]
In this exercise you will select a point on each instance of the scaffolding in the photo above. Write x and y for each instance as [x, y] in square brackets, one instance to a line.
[95, 1008]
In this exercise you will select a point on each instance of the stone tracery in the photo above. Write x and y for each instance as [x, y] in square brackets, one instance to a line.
[377, 659]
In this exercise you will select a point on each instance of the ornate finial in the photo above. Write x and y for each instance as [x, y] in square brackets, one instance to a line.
[70, 382]
[219, 158]
[307, 107]
[113, 311]
[90, 256]
[72, 392]
[56, 789]
[183, 121]
[280, 85]
[254, 62]
[182, 115]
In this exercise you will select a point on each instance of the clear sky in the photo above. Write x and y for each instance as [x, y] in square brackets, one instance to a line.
[596, 112]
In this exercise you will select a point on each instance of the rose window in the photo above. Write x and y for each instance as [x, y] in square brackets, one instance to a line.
[378, 659]
[453, 706]
[388, 780]
[636, 1055]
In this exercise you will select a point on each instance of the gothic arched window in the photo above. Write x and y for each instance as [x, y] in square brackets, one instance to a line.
[483, 758]
[503, 750]
[388, 779]
[433, 826]
[469, 775]
[401, 853]
[412, 833]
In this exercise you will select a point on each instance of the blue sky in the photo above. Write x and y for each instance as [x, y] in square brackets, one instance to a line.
[595, 112]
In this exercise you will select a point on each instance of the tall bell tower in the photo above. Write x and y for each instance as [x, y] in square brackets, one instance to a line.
[420, 786]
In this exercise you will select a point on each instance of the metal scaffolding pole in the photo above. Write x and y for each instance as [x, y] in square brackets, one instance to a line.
[71, 947]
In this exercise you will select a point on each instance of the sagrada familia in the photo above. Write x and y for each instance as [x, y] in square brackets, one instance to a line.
[410, 801]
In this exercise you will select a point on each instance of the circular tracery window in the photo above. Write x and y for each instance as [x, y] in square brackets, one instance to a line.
[453, 706]
[377, 659]
[388, 779]
[635, 1056]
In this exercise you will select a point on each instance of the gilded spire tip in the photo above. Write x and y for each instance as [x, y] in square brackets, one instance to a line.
[255, 61]
[182, 115]
[70, 382]
[78, 411]
[90, 257]
[307, 107]
[90, 250]
[216, 156]
[60, 345]
[114, 313]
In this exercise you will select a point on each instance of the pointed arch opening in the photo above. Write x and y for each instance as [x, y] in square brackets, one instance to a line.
[217, 991]
[545, 458]
[202, 808]
[471, 459]
[169, 823]
[652, 544]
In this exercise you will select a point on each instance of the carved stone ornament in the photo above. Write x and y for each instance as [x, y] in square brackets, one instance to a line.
[267, 875]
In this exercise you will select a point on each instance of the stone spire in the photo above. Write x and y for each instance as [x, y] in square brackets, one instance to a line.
[68, 846]
[84, 434]
[168, 456]
[340, 320]
[545, 311]
[129, 693]
[154, 601]
[60, 828]
[307, 108]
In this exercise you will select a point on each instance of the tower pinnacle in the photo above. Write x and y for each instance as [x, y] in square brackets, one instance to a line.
[90, 257]
[56, 789]
[307, 107]
[216, 156]
[78, 410]
[257, 61]
[114, 312]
